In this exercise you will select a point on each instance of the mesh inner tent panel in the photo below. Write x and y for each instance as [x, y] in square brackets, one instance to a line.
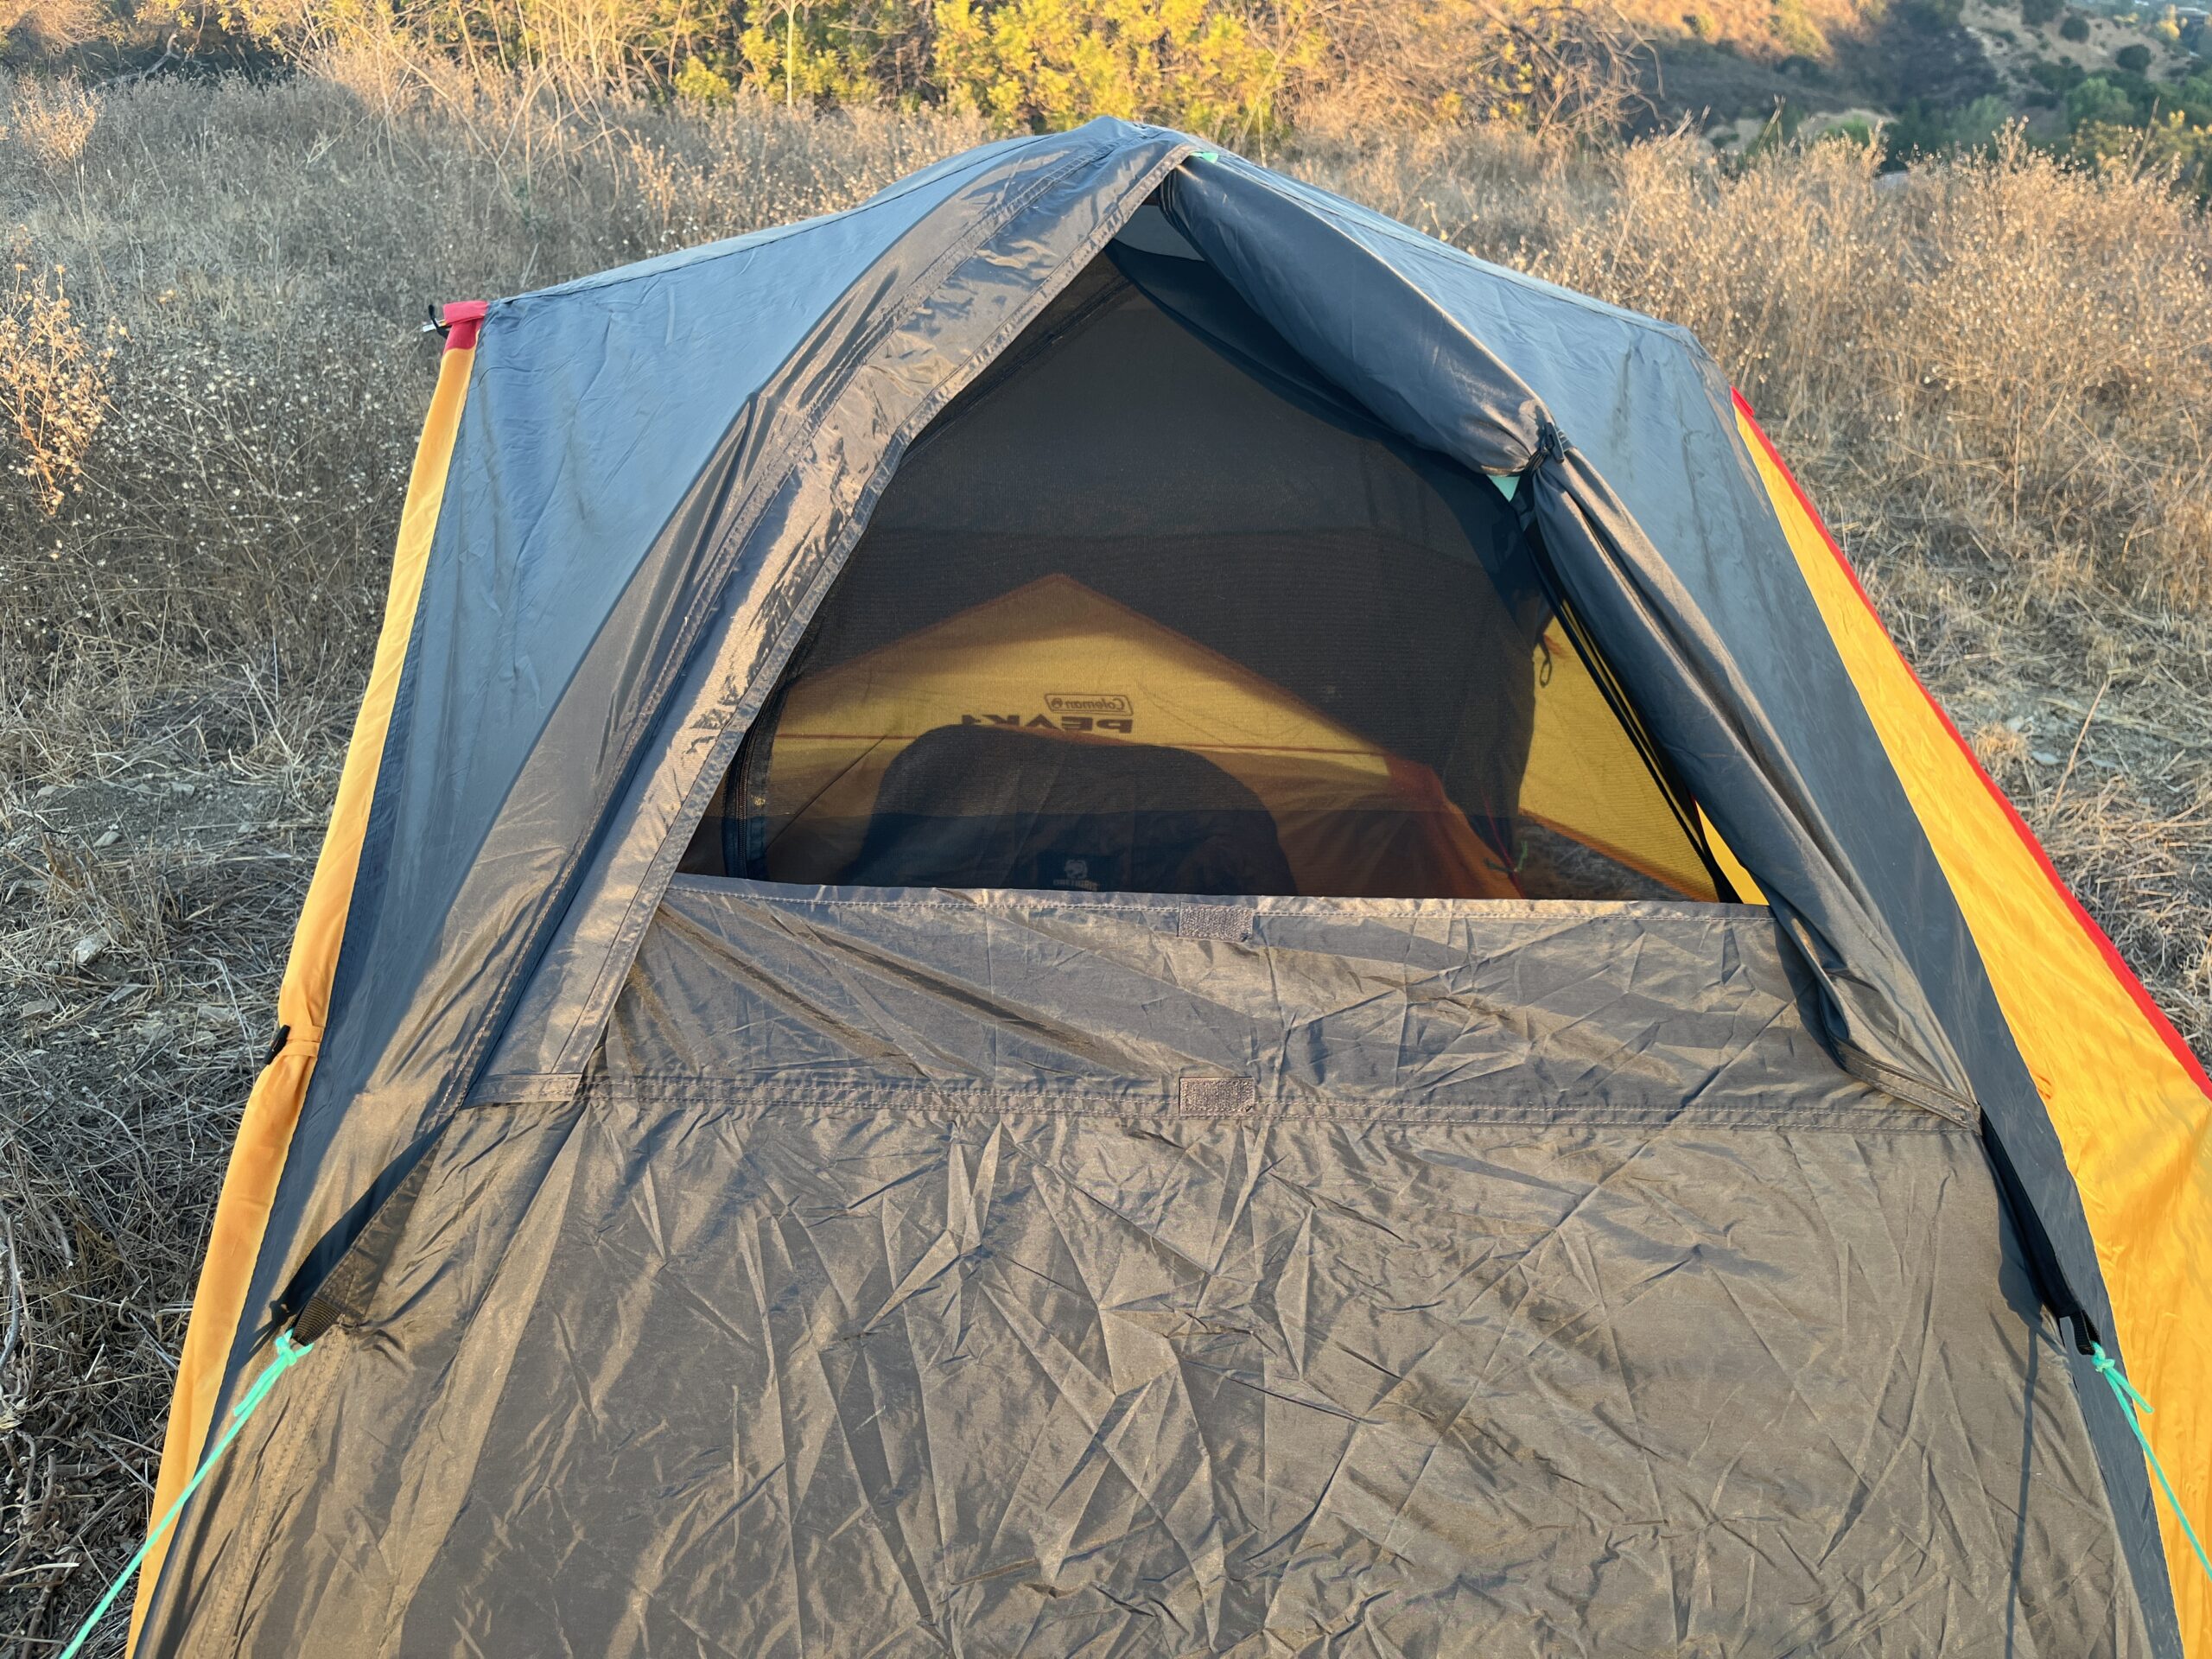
[1150, 529]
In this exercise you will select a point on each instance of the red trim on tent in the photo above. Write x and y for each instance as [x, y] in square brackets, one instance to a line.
[2113, 958]
[462, 319]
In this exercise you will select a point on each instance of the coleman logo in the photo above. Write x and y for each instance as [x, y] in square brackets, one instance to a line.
[1088, 702]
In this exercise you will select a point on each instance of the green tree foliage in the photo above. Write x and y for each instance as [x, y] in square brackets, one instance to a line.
[2119, 98]
[845, 51]
[2122, 120]
[695, 83]
[2097, 101]
[1239, 71]
[2036, 13]
[1922, 130]
[2075, 29]
[2172, 144]
[1975, 127]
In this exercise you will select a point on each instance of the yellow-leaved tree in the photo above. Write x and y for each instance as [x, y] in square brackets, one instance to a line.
[834, 51]
[1228, 71]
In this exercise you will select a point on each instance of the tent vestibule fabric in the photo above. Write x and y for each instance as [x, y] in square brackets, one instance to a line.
[1106, 909]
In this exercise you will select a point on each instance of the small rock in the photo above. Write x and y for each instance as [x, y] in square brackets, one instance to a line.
[109, 836]
[187, 791]
[89, 948]
[43, 1008]
[2042, 757]
[44, 790]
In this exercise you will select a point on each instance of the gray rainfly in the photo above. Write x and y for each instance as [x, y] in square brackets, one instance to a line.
[1106, 911]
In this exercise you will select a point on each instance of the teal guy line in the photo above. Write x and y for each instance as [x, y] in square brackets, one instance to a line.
[2136, 1408]
[288, 1354]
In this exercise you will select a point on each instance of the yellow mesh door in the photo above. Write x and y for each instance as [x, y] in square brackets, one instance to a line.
[1588, 790]
[1055, 659]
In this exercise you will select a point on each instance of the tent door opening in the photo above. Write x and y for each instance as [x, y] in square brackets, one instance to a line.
[1152, 606]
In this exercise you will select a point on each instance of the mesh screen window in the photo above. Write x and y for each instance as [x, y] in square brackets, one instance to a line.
[1152, 608]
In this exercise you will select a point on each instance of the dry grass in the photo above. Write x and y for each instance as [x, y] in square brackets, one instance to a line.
[1988, 374]
[180, 641]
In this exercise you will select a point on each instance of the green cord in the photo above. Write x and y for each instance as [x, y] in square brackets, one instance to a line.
[288, 1354]
[2138, 1408]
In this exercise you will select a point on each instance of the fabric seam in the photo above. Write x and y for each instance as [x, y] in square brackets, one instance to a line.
[922, 1099]
[1017, 900]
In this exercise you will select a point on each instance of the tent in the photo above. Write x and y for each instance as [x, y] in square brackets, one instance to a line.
[1106, 910]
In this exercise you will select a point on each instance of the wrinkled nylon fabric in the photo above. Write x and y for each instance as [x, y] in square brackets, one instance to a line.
[781, 560]
[826, 1322]
[1441, 384]
[257, 1156]
[2134, 1114]
[1431, 1006]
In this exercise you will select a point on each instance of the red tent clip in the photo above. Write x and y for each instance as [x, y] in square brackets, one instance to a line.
[462, 319]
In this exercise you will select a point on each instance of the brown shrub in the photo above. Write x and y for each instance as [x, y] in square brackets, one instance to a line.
[265, 255]
[1543, 68]
[53, 381]
[51, 119]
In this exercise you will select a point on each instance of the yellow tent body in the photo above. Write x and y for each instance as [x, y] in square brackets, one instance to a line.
[1353, 819]
[1054, 657]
